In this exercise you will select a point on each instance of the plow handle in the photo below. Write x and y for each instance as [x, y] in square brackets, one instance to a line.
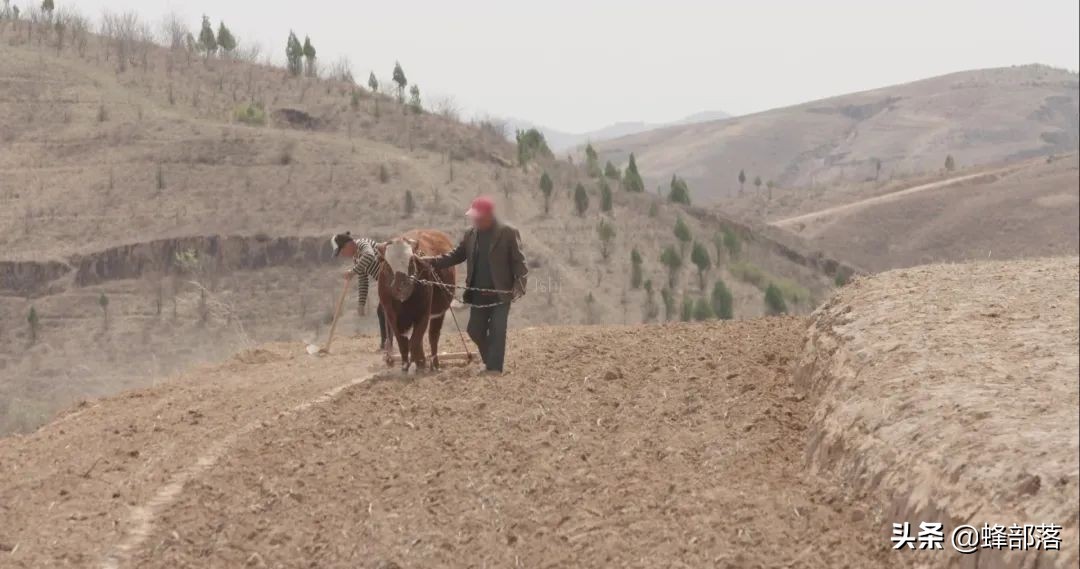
[337, 313]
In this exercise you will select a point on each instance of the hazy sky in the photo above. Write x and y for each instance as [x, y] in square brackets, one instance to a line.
[581, 64]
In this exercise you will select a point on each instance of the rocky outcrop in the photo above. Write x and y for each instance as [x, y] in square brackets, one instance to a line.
[162, 256]
[30, 278]
[949, 394]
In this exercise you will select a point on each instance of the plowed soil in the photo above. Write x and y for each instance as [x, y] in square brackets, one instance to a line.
[663, 446]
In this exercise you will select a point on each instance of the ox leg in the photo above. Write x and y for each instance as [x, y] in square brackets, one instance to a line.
[403, 347]
[416, 344]
[433, 337]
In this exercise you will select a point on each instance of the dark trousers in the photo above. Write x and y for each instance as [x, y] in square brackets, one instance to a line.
[487, 328]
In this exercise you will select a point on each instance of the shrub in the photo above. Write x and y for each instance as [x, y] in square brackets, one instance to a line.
[680, 192]
[732, 243]
[632, 181]
[531, 145]
[581, 200]
[703, 310]
[774, 300]
[610, 171]
[252, 114]
[384, 173]
[748, 272]
[687, 313]
[722, 301]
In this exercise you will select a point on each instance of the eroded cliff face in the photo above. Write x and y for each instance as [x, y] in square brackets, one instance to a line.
[223, 253]
[30, 278]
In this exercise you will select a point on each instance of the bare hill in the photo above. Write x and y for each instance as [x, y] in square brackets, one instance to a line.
[979, 117]
[158, 209]
[1022, 210]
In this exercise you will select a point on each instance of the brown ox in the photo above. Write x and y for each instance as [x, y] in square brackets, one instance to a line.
[412, 306]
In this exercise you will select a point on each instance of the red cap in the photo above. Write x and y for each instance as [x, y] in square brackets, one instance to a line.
[481, 207]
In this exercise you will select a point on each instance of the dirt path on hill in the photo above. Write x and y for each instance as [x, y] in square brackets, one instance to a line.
[674, 446]
[891, 196]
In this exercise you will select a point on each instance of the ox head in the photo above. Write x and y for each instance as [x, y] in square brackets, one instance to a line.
[400, 266]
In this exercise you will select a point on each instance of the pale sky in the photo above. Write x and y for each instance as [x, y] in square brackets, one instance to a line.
[577, 65]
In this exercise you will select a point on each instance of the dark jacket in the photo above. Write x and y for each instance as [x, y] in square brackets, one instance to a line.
[508, 269]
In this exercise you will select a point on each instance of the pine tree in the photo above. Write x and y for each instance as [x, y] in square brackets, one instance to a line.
[742, 181]
[225, 39]
[546, 187]
[207, 42]
[309, 57]
[635, 269]
[373, 83]
[581, 200]
[592, 162]
[103, 302]
[722, 300]
[294, 55]
[680, 192]
[669, 303]
[687, 313]
[400, 81]
[32, 319]
[732, 244]
[48, 6]
[950, 164]
[606, 232]
[410, 203]
[605, 196]
[632, 181]
[610, 171]
[671, 259]
[699, 256]
[414, 99]
[757, 184]
[774, 300]
[682, 233]
[703, 310]
[651, 310]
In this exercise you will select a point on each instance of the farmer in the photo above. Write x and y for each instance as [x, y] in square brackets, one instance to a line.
[366, 266]
[495, 276]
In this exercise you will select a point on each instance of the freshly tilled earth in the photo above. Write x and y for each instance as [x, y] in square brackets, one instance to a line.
[660, 446]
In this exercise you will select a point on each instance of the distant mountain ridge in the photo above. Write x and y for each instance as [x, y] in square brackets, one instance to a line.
[978, 117]
[561, 140]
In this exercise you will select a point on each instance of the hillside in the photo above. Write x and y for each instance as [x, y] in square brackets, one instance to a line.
[775, 442]
[561, 141]
[159, 210]
[1027, 209]
[979, 117]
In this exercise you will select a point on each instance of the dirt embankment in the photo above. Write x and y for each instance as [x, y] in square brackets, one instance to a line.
[133, 260]
[951, 393]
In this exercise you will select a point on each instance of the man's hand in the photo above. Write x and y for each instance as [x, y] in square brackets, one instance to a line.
[519, 289]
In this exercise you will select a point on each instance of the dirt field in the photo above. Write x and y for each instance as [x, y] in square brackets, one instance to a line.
[676, 446]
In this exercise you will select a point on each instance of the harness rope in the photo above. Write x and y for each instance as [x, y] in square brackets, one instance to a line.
[450, 288]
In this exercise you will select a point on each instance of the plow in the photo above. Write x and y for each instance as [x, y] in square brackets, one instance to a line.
[466, 357]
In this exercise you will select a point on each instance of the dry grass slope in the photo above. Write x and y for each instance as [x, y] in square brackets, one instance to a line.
[979, 117]
[98, 163]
